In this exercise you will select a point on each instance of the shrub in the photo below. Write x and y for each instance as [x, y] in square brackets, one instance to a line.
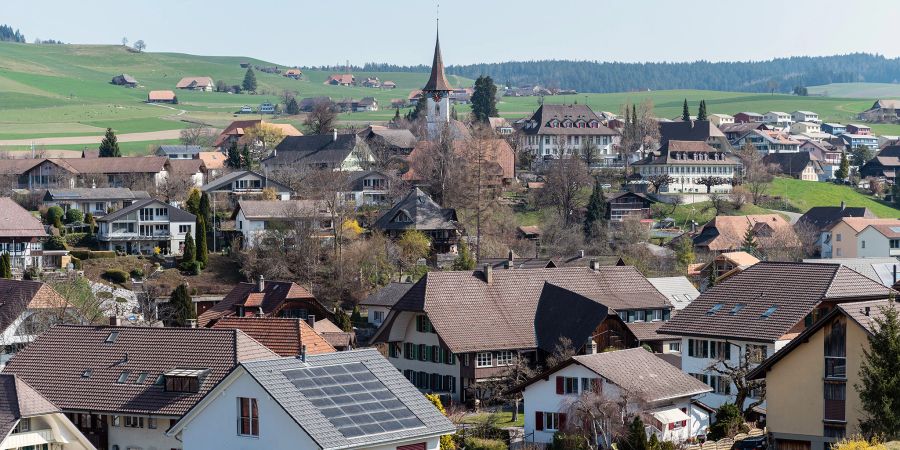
[102, 254]
[76, 264]
[55, 243]
[74, 216]
[137, 273]
[32, 273]
[473, 443]
[54, 214]
[563, 441]
[858, 443]
[80, 254]
[192, 267]
[116, 275]
[728, 422]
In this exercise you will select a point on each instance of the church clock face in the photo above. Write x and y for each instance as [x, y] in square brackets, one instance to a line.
[436, 96]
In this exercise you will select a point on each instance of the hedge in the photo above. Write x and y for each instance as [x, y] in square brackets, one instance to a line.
[116, 275]
[92, 254]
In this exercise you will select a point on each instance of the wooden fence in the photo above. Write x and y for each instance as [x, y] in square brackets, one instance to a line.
[725, 444]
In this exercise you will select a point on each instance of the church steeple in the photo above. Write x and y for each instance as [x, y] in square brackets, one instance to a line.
[438, 81]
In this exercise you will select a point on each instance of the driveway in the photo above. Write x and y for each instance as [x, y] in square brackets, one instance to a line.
[792, 216]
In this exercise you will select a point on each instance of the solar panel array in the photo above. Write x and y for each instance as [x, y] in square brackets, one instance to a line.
[355, 401]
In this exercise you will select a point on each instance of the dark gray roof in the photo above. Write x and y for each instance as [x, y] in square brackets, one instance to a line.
[692, 130]
[563, 313]
[392, 407]
[175, 214]
[792, 164]
[517, 263]
[94, 194]
[880, 269]
[226, 180]
[178, 149]
[388, 295]
[424, 213]
[314, 150]
[822, 217]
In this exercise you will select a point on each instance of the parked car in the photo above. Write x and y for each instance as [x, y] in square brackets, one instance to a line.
[751, 443]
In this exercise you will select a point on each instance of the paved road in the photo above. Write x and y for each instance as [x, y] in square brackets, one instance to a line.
[127, 137]
[794, 217]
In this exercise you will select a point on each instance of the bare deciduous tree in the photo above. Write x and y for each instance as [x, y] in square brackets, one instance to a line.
[564, 187]
[658, 181]
[198, 134]
[322, 119]
[756, 176]
[736, 373]
[598, 418]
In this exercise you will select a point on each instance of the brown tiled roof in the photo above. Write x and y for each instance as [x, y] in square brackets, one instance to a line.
[78, 367]
[16, 222]
[647, 331]
[186, 166]
[254, 300]
[726, 233]
[194, 81]
[793, 289]
[282, 209]
[281, 335]
[470, 314]
[860, 223]
[540, 120]
[437, 81]
[889, 231]
[133, 164]
[212, 160]
[19, 400]
[275, 294]
[161, 95]
[324, 325]
[18, 295]
[18, 166]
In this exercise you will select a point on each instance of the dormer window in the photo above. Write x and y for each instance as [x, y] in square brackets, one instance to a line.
[402, 217]
[184, 380]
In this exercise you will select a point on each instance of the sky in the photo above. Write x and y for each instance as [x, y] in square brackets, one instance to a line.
[317, 32]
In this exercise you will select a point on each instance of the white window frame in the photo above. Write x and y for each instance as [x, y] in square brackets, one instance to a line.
[480, 359]
[551, 421]
[505, 358]
[251, 402]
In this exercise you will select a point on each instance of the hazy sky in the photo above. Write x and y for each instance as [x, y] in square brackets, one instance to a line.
[316, 32]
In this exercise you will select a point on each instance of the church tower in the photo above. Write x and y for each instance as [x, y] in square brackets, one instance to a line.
[437, 93]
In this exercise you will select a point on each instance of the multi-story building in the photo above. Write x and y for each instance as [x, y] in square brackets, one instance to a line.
[275, 222]
[21, 235]
[860, 140]
[835, 129]
[368, 188]
[29, 418]
[811, 400]
[821, 218]
[748, 117]
[454, 330]
[146, 227]
[562, 131]
[95, 201]
[123, 387]
[266, 299]
[720, 120]
[778, 118]
[769, 141]
[752, 314]
[805, 116]
[688, 163]
[856, 128]
[806, 128]
[855, 237]
[417, 211]
[245, 183]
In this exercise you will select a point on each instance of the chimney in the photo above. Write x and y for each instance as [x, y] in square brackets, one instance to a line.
[192, 323]
[303, 353]
[488, 273]
[581, 253]
[866, 311]
[843, 205]
[311, 320]
[511, 257]
[116, 321]
[261, 284]
[334, 134]
[595, 265]
[895, 273]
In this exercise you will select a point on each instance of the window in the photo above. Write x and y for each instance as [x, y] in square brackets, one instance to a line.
[134, 422]
[674, 346]
[838, 237]
[112, 336]
[409, 350]
[768, 313]
[394, 350]
[23, 426]
[720, 385]
[141, 377]
[248, 417]
[895, 243]
[424, 351]
[182, 384]
[736, 309]
[435, 353]
[423, 325]
[698, 348]
[862, 244]
[551, 421]
[122, 377]
[115, 421]
[151, 423]
[483, 359]
[378, 316]
[570, 385]
[505, 358]
[715, 308]
[836, 349]
[184, 229]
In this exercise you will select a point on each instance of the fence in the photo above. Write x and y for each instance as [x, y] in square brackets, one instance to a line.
[725, 444]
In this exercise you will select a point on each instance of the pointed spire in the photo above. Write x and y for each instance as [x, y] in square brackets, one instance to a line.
[438, 81]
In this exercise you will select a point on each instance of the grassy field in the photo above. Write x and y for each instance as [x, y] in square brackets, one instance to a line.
[857, 90]
[127, 148]
[801, 194]
[504, 419]
[700, 212]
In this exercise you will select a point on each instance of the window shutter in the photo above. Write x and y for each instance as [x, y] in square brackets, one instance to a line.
[559, 385]
[562, 421]
[672, 426]
[690, 347]
[538, 420]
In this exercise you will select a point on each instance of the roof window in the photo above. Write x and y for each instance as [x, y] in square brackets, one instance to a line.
[715, 308]
[87, 373]
[737, 308]
[113, 335]
[122, 377]
[769, 311]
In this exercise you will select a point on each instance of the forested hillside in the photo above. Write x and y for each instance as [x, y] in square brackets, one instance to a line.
[779, 75]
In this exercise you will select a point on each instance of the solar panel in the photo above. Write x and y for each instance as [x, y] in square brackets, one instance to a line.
[353, 399]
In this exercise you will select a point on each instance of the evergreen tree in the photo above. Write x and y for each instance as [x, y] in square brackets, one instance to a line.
[109, 146]
[205, 210]
[685, 112]
[701, 113]
[249, 83]
[89, 220]
[636, 437]
[189, 255]
[356, 317]
[749, 245]
[684, 253]
[342, 320]
[844, 169]
[465, 260]
[246, 158]
[419, 111]
[711, 276]
[202, 251]
[234, 157]
[193, 202]
[484, 99]
[728, 423]
[181, 306]
[5, 266]
[292, 107]
[879, 386]
[397, 114]
[596, 208]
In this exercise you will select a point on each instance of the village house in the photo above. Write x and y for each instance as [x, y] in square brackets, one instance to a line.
[834, 129]
[811, 399]
[454, 330]
[885, 164]
[214, 162]
[266, 298]
[746, 117]
[161, 97]
[862, 130]
[694, 131]
[29, 308]
[560, 131]
[806, 128]
[721, 120]
[388, 84]
[294, 74]
[371, 82]
[145, 226]
[95, 201]
[292, 402]
[735, 131]
[368, 188]
[245, 183]
[828, 155]
[191, 171]
[661, 394]
[821, 218]
[387, 143]
[882, 111]
[857, 237]
[234, 133]
[417, 211]
[365, 104]
[30, 421]
[623, 205]
[767, 141]
[688, 163]
[859, 140]
[341, 80]
[884, 269]
[722, 266]
[339, 152]
[379, 303]
[680, 292]
[288, 337]
[21, 236]
[307, 104]
[750, 315]
[497, 157]
[196, 84]
[274, 222]
[267, 108]
[800, 165]
[726, 233]
[778, 118]
[178, 151]
[805, 116]
[123, 387]
[501, 126]
[124, 80]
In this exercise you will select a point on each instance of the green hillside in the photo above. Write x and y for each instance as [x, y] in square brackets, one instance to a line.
[826, 194]
[857, 90]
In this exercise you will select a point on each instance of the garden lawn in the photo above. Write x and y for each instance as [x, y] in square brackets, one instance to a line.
[505, 419]
[806, 194]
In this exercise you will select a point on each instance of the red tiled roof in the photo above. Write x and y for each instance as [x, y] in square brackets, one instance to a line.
[275, 295]
[161, 95]
[16, 222]
[281, 335]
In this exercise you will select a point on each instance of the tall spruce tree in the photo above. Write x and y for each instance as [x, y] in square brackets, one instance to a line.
[843, 170]
[246, 158]
[109, 146]
[202, 252]
[193, 202]
[292, 107]
[749, 244]
[879, 386]
[233, 160]
[701, 113]
[205, 209]
[596, 208]
[181, 306]
[484, 99]
[5, 266]
[636, 438]
[189, 255]
[685, 112]
[249, 83]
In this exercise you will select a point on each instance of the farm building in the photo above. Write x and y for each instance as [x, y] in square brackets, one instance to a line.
[161, 97]
[124, 80]
[196, 84]
[881, 111]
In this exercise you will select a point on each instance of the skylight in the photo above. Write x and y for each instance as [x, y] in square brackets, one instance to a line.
[736, 308]
[141, 378]
[87, 373]
[113, 335]
[769, 311]
[123, 377]
[715, 308]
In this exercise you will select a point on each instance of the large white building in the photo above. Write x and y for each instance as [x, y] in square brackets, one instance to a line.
[778, 118]
[145, 226]
[688, 163]
[564, 131]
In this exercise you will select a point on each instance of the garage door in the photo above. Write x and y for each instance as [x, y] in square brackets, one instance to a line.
[788, 444]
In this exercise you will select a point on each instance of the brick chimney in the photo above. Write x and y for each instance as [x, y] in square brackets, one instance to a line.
[595, 265]
[488, 273]
[311, 320]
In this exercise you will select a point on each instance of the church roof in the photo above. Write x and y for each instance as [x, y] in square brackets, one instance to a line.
[437, 81]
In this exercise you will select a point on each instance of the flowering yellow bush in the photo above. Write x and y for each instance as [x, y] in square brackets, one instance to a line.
[157, 250]
[858, 443]
[352, 226]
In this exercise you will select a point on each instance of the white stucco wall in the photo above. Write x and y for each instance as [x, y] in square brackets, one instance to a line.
[876, 244]
[698, 365]
[404, 330]
[144, 438]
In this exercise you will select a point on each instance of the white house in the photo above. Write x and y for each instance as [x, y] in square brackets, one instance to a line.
[805, 116]
[380, 302]
[778, 118]
[688, 163]
[28, 308]
[561, 131]
[21, 235]
[144, 226]
[879, 240]
[94, 201]
[253, 218]
[769, 141]
[368, 187]
[30, 421]
[813, 128]
[721, 119]
[246, 183]
[344, 400]
[649, 386]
